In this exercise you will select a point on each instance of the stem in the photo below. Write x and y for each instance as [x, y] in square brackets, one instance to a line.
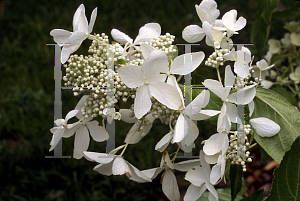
[175, 154]
[171, 121]
[179, 78]
[69, 127]
[219, 76]
[253, 145]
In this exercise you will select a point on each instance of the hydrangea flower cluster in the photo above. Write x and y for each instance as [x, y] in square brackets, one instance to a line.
[147, 70]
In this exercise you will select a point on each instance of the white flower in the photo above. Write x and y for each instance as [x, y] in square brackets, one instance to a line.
[116, 165]
[230, 22]
[71, 41]
[263, 65]
[295, 76]
[199, 177]
[62, 129]
[295, 38]
[242, 59]
[216, 143]
[168, 179]
[218, 169]
[83, 129]
[265, 127]
[286, 41]
[150, 83]
[274, 46]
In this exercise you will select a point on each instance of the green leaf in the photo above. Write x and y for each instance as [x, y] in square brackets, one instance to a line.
[201, 73]
[256, 196]
[271, 105]
[215, 102]
[121, 61]
[236, 174]
[286, 183]
[287, 13]
[264, 155]
[223, 193]
[261, 26]
[276, 57]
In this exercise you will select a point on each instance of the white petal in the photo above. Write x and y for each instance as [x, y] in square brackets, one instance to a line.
[142, 101]
[180, 130]
[81, 143]
[77, 15]
[186, 63]
[146, 50]
[229, 21]
[198, 103]
[70, 132]
[98, 157]
[65, 54]
[172, 81]
[229, 77]
[224, 121]
[216, 143]
[265, 127]
[231, 111]
[137, 175]
[164, 142]
[57, 135]
[82, 23]
[185, 166]
[196, 176]
[137, 135]
[156, 62]
[165, 94]
[80, 105]
[120, 37]
[192, 132]
[105, 169]
[267, 84]
[131, 75]
[194, 192]
[207, 11]
[204, 114]
[71, 114]
[147, 32]
[193, 34]
[169, 186]
[205, 167]
[213, 195]
[75, 39]
[212, 159]
[215, 173]
[231, 56]
[97, 132]
[251, 108]
[92, 20]
[243, 96]
[127, 116]
[152, 173]
[60, 36]
[217, 88]
[120, 167]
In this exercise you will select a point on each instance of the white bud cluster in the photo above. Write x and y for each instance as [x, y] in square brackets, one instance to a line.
[216, 58]
[164, 113]
[137, 62]
[90, 74]
[237, 151]
[164, 43]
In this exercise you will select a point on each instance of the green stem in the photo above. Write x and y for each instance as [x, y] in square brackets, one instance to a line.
[219, 76]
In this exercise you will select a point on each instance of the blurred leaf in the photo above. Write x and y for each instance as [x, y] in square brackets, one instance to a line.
[236, 174]
[256, 196]
[286, 183]
[261, 26]
[271, 105]
[287, 13]
[276, 57]
[223, 193]
[264, 155]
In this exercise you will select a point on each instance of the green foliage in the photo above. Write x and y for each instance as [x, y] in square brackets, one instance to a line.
[271, 105]
[236, 174]
[286, 183]
[257, 196]
[224, 195]
[284, 92]
[261, 26]
[287, 13]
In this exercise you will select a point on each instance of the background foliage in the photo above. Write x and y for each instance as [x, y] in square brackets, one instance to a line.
[27, 95]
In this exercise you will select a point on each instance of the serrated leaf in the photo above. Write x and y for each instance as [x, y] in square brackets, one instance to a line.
[236, 174]
[271, 105]
[286, 183]
[223, 193]
[256, 196]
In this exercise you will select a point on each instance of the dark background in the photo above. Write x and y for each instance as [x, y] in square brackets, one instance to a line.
[27, 96]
